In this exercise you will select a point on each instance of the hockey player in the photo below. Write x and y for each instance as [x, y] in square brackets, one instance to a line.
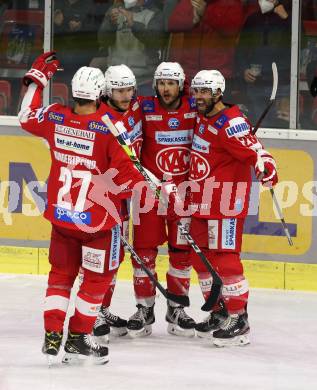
[223, 152]
[168, 122]
[119, 104]
[82, 210]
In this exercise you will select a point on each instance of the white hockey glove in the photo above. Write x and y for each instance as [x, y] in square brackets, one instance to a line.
[265, 169]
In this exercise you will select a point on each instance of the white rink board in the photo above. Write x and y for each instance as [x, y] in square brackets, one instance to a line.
[282, 355]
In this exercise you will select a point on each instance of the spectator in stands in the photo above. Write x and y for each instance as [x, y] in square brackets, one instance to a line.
[266, 38]
[75, 34]
[204, 35]
[133, 33]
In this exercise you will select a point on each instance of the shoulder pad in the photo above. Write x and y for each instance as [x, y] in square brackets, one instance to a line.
[192, 102]
[148, 106]
[237, 127]
[219, 123]
[54, 116]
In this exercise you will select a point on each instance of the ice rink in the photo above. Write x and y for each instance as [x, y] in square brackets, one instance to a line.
[282, 354]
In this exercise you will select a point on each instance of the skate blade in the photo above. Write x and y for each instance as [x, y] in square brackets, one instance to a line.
[237, 341]
[51, 360]
[78, 359]
[119, 332]
[102, 340]
[204, 335]
[146, 331]
[176, 330]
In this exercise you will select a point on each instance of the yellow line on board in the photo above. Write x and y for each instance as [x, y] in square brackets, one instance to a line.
[262, 274]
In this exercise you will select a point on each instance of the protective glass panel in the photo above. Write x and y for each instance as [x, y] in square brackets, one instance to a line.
[307, 101]
[21, 40]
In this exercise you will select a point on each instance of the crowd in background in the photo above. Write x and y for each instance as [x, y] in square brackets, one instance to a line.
[241, 38]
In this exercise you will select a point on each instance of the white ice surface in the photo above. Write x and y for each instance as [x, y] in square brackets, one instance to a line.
[282, 354]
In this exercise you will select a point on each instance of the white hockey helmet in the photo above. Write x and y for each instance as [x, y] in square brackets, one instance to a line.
[169, 71]
[88, 83]
[118, 76]
[211, 79]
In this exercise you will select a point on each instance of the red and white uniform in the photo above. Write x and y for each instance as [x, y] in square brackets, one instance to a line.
[223, 152]
[167, 138]
[83, 212]
[132, 121]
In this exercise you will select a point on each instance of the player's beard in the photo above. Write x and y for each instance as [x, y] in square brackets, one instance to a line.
[114, 104]
[168, 105]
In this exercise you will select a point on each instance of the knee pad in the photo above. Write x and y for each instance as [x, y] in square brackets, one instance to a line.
[227, 264]
[147, 255]
[179, 258]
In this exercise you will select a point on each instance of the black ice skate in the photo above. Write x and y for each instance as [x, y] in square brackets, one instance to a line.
[104, 322]
[140, 324]
[211, 323]
[234, 331]
[179, 322]
[52, 344]
[80, 346]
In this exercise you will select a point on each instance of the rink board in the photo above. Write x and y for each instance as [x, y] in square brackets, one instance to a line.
[262, 274]
[268, 259]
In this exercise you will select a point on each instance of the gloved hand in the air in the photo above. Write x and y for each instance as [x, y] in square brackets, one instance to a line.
[265, 169]
[42, 70]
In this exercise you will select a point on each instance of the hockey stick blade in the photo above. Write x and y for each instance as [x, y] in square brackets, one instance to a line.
[272, 99]
[179, 299]
[216, 288]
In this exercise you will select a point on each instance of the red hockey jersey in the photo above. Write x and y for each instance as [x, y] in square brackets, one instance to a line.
[82, 190]
[167, 138]
[132, 121]
[223, 152]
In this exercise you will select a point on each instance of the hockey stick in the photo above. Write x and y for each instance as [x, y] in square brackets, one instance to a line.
[217, 284]
[272, 99]
[254, 130]
[179, 299]
[122, 136]
[281, 217]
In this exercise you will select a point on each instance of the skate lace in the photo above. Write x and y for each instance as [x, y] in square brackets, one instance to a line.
[111, 316]
[99, 321]
[230, 323]
[181, 314]
[91, 342]
[138, 315]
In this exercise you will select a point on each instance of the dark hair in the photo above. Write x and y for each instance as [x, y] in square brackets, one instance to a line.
[82, 102]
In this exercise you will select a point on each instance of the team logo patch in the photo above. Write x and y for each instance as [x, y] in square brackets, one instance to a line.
[148, 106]
[229, 227]
[200, 145]
[93, 259]
[199, 167]
[201, 129]
[73, 132]
[174, 137]
[131, 121]
[173, 160]
[190, 115]
[74, 217]
[149, 118]
[213, 233]
[212, 129]
[77, 145]
[55, 117]
[192, 102]
[114, 259]
[173, 123]
[98, 126]
[221, 121]
[237, 127]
